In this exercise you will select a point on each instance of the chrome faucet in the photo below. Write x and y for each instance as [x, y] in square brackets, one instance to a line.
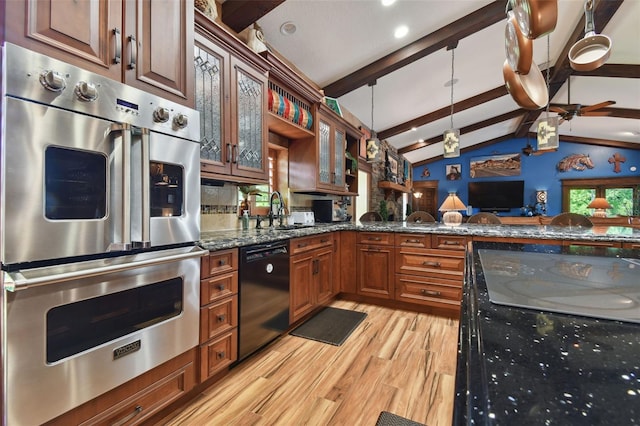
[279, 213]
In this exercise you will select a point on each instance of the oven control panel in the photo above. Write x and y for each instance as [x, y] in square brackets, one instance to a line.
[48, 81]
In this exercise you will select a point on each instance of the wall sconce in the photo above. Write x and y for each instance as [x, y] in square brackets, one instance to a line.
[599, 205]
[451, 208]
[417, 195]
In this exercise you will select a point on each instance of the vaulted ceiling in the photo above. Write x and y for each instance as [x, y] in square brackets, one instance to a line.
[345, 46]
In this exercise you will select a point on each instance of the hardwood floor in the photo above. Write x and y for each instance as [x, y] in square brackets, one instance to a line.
[397, 361]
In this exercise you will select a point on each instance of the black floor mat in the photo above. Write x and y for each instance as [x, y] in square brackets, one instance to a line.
[331, 325]
[389, 419]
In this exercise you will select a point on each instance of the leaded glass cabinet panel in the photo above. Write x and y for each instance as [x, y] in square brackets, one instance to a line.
[324, 147]
[339, 162]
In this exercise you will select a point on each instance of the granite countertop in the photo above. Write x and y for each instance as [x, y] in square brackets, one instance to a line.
[223, 239]
[530, 366]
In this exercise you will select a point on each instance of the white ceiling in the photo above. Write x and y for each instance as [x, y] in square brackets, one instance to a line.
[337, 37]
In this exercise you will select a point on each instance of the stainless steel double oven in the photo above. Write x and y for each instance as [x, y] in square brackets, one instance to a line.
[100, 205]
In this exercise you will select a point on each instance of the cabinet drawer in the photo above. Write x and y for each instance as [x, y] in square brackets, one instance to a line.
[430, 262]
[218, 317]
[218, 287]
[218, 354]
[304, 244]
[219, 261]
[428, 291]
[377, 238]
[448, 242]
[413, 240]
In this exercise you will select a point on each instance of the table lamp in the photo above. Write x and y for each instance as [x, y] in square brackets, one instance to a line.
[451, 207]
[599, 205]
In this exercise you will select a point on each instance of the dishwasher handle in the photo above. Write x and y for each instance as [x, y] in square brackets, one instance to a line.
[264, 251]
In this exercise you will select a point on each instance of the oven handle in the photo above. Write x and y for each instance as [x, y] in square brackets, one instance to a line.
[14, 281]
[125, 238]
[146, 203]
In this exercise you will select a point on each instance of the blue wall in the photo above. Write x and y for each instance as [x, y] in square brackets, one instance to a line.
[538, 171]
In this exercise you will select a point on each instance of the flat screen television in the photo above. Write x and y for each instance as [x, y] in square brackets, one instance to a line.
[500, 196]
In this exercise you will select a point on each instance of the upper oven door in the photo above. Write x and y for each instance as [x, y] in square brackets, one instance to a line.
[62, 184]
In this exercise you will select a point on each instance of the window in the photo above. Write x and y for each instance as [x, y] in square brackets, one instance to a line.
[260, 203]
[623, 194]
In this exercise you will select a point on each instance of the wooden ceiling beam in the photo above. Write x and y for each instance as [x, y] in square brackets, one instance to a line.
[468, 129]
[441, 38]
[612, 70]
[444, 112]
[239, 14]
[467, 149]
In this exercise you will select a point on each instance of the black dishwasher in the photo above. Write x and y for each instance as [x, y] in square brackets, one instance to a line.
[264, 295]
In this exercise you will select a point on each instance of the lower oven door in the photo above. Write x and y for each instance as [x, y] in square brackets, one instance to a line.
[73, 332]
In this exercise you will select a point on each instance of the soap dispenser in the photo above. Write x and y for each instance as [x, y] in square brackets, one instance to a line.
[245, 220]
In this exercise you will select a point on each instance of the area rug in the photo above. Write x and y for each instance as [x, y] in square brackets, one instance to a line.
[389, 419]
[331, 325]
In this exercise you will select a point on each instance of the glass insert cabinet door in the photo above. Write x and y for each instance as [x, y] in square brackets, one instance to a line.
[324, 152]
[248, 153]
[339, 162]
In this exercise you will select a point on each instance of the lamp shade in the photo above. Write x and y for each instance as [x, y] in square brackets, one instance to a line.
[600, 205]
[450, 207]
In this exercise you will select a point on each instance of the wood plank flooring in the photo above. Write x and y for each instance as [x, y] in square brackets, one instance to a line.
[397, 361]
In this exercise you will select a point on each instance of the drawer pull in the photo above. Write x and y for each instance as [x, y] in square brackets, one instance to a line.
[222, 262]
[301, 245]
[372, 248]
[220, 355]
[221, 318]
[451, 243]
[324, 240]
[221, 287]
[374, 238]
[137, 410]
[430, 292]
[431, 263]
[412, 241]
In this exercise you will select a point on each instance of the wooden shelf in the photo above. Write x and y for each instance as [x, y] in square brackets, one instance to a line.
[286, 128]
[389, 187]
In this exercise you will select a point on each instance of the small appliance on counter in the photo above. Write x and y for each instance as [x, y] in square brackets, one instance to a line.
[328, 211]
[303, 218]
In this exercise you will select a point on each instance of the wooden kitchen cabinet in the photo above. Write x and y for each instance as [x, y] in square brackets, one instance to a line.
[231, 95]
[375, 264]
[218, 312]
[430, 269]
[137, 400]
[146, 44]
[319, 164]
[311, 274]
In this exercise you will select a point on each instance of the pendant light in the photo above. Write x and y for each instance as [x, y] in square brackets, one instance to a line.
[451, 137]
[547, 128]
[373, 143]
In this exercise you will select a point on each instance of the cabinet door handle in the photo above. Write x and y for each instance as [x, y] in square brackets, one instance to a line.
[221, 317]
[228, 153]
[234, 154]
[137, 410]
[315, 267]
[430, 292]
[117, 55]
[220, 355]
[431, 263]
[134, 52]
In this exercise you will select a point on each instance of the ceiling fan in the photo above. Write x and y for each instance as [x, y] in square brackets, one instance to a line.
[568, 111]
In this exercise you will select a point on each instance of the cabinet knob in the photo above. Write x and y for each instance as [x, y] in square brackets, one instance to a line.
[221, 287]
[222, 262]
[221, 318]
[220, 355]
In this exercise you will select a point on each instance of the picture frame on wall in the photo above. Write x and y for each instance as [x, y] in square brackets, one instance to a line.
[392, 172]
[453, 171]
[498, 165]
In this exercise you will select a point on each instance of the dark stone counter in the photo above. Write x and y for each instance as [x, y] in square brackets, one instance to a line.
[217, 240]
[519, 366]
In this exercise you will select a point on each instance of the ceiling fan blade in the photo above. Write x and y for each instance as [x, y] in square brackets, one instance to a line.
[596, 106]
[558, 109]
[595, 113]
[544, 151]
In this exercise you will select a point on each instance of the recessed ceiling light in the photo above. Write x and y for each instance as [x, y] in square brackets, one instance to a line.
[388, 2]
[288, 28]
[420, 140]
[401, 31]
[413, 129]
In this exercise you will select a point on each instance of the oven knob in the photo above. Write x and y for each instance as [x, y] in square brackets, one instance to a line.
[86, 91]
[53, 81]
[180, 120]
[161, 115]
